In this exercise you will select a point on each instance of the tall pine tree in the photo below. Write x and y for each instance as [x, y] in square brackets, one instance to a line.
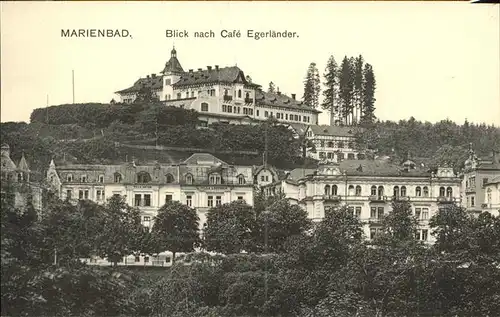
[346, 86]
[312, 86]
[358, 88]
[330, 94]
[369, 85]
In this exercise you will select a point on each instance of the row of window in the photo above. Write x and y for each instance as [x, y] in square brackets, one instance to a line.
[286, 116]
[144, 200]
[341, 156]
[339, 144]
[422, 234]
[144, 177]
[397, 191]
[379, 212]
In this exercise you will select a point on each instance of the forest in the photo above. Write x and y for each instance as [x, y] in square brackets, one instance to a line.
[292, 267]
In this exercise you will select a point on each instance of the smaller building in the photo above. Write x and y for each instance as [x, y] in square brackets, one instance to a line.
[334, 143]
[19, 183]
[492, 196]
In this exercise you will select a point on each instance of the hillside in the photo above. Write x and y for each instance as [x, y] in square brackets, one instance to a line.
[105, 133]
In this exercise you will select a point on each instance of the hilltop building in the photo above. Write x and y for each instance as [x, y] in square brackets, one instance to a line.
[202, 181]
[480, 179]
[219, 94]
[19, 183]
[367, 187]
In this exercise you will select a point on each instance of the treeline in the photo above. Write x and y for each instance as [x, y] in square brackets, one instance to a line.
[438, 143]
[349, 90]
[291, 268]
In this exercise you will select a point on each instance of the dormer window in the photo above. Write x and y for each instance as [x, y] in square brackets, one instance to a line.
[189, 179]
[241, 180]
[69, 178]
[170, 178]
[214, 179]
[101, 178]
[83, 178]
[118, 178]
[143, 177]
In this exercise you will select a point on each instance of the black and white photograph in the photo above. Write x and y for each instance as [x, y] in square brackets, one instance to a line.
[253, 159]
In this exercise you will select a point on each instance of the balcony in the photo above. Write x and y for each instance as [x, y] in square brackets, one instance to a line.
[248, 100]
[377, 199]
[374, 221]
[334, 198]
[401, 198]
[228, 98]
[445, 200]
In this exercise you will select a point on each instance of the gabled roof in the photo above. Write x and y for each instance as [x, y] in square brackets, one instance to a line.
[23, 165]
[203, 159]
[334, 130]
[281, 100]
[152, 83]
[214, 75]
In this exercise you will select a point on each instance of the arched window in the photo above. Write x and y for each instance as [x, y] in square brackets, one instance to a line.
[358, 190]
[381, 191]
[20, 177]
[118, 177]
[69, 177]
[396, 191]
[489, 196]
[170, 178]
[214, 179]
[327, 190]
[449, 192]
[330, 144]
[351, 190]
[441, 191]
[247, 95]
[426, 191]
[418, 191]
[143, 177]
[334, 190]
[83, 178]
[373, 191]
[403, 191]
[239, 93]
[101, 178]
[189, 179]
[241, 180]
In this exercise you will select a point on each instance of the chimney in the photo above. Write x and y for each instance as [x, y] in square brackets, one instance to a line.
[190, 70]
[293, 96]
[209, 68]
[153, 75]
[147, 76]
[199, 69]
[216, 67]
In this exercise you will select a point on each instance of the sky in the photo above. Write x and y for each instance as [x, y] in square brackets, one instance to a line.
[432, 60]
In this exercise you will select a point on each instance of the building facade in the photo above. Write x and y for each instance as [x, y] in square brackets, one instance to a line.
[219, 94]
[367, 188]
[202, 181]
[19, 183]
[334, 143]
[492, 196]
[478, 173]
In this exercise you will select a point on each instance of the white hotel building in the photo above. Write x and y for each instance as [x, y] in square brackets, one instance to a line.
[219, 94]
[202, 181]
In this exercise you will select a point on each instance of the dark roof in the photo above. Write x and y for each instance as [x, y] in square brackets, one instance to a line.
[153, 83]
[173, 65]
[379, 168]
[214, 75]
[334, 130]
[281, 100]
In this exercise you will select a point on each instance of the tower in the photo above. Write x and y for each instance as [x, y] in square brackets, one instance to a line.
[171, 74]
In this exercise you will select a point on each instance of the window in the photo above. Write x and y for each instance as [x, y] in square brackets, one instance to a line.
[218, 200]
[340, 156]
[321, 155]
[187, 94]
[426, 191]
[99, 195]
[449, 192]
[178, 95]
[331, 144]
[350, 156]
[170, 178]
[485, 181]
[80, 194]
[396, 191]
[381, 191]
[189, 179]
[146, 259]
[425, 234]
[472, 202]
[262, 178]
[240, 198]
[192, 94]
[189, 200]
[418, 191]
[69, 178]
[137, 259]
[214, 179]
[425, 213]
[167, 82]
[83, 178]
[147, 221]
[373, 212]
[247, 95]
[341, 144]
[334, 190]
[351, 190]
[69, 192]
[266, 114]
[137, 200]
[373, 191]
[241, 180]
[118, 178]
[380, 211]
[441, 191]
[143, 177]
[101, 178]
[488, 198]
[204, 106]
[403, 191]
[358, 212]
[329, 155]
[358, 190]
[210, 201]
[418, 212]
[168, 198]
[239, 93]
[327, 190]
[258, 113]
[322, 143]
